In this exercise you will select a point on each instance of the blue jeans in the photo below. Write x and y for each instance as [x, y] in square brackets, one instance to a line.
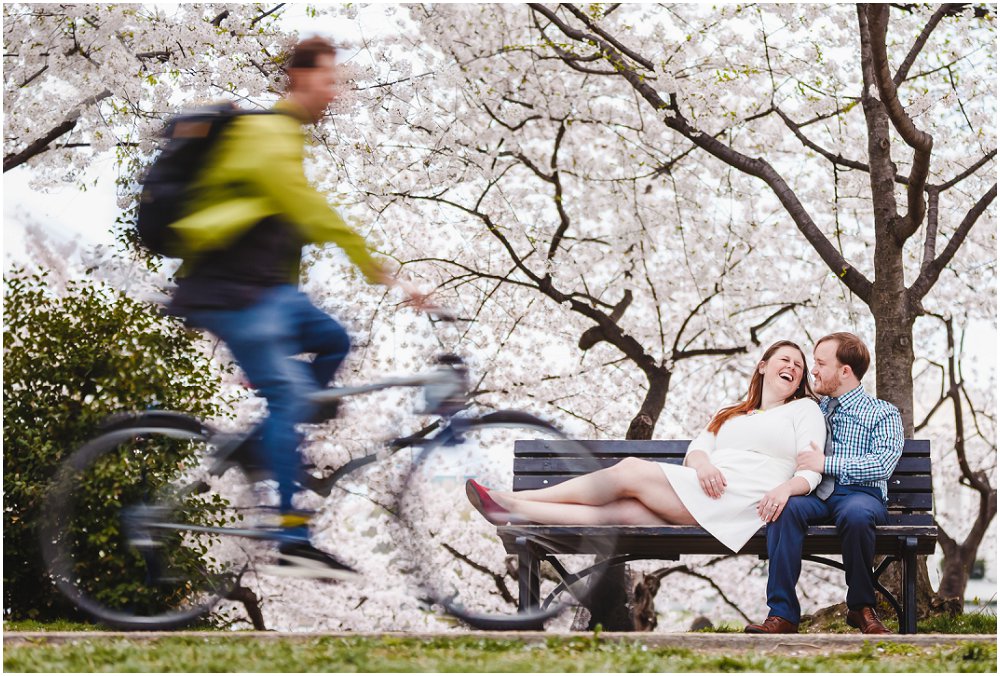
[855, 510]
[264, 338]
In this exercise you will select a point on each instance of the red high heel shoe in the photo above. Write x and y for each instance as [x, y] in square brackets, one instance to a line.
[480, 498]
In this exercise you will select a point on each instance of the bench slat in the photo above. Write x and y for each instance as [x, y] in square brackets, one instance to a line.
[897, 500]
[570, 466]
[657, 447]
[537, 464]
[665, 542]
[913, 501]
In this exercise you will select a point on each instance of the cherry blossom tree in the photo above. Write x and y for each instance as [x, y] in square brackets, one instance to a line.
[624, 203]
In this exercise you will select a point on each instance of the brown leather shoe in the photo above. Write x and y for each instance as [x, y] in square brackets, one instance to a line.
[867, 621]
[772, 625]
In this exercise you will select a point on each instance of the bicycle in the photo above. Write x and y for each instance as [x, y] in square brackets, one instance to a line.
[147, 527]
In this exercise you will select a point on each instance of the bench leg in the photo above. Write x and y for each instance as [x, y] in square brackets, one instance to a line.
[528, 576]
[908, 624]
[889, 598]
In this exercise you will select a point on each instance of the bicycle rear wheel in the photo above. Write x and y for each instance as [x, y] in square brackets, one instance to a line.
[127, 531]
[469, 567]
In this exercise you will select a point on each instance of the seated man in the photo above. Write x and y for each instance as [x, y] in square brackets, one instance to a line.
[863, 445]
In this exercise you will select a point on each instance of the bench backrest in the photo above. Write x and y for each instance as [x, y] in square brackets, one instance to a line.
[544, 463]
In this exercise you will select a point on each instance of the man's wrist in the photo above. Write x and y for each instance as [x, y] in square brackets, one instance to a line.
[831, 466]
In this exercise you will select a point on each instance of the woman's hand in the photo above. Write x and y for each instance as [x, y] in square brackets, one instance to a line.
[711, 480]
[773, 503]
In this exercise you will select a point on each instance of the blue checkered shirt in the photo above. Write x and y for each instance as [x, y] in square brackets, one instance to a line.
[867, 440]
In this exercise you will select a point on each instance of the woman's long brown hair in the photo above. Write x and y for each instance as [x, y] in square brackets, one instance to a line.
[755, 392]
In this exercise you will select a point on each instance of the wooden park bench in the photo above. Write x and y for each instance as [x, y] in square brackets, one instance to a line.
[909, 532]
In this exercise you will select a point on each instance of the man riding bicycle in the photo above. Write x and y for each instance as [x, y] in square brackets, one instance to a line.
[251, 213]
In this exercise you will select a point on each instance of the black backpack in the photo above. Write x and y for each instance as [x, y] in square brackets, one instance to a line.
[166, 186]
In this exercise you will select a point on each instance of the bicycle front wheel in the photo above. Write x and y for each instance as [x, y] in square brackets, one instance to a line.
[127, 531]
[484, 568]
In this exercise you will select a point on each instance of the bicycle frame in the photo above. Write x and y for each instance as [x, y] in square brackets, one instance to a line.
[445, 393]
[447, 386]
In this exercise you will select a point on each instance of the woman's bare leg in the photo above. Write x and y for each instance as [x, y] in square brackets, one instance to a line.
[582, 499]
[595, 488]
[624, 512]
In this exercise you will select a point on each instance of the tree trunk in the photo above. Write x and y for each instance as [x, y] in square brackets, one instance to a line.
[957, 565]
[251, 603]
[609, 604]
[960, 557]
[644, 422]
[894, 354]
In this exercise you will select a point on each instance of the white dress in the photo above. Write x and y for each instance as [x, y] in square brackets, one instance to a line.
[755, 453]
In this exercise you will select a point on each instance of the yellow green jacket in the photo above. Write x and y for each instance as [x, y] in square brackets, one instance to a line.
[256, 172]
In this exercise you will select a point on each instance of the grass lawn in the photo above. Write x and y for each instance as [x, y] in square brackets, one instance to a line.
[232, 652]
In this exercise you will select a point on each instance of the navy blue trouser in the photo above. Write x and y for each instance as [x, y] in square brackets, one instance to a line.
[265, 338]
[855, 510]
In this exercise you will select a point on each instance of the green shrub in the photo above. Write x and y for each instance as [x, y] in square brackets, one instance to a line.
[70, 360]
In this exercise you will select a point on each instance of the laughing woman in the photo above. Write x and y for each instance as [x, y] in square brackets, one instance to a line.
[737, 474]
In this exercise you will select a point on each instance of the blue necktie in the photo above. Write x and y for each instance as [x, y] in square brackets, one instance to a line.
[825, 487]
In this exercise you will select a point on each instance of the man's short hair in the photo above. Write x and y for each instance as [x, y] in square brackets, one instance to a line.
[851, 350]
[305, 53]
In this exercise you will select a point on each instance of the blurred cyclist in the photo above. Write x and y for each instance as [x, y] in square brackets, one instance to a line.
[251, 213]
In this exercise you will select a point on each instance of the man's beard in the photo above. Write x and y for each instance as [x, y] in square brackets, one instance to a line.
[826, 387]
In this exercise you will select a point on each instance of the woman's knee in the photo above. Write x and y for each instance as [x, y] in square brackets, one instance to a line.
[629, 472]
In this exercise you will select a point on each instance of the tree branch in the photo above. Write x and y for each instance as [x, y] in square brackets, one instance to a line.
[266, 14]
[31, 78]
[582, 16]
[929, 273]
[498, 578]
[835, 159]
[920, 141]
[506, 125]
[570, 59]
[968, 172]
[564, 220]
[768, 320]
[918, 45]
[687, 570]
[976, 479]
[930, 237]
[40, 145]
[840, 160]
